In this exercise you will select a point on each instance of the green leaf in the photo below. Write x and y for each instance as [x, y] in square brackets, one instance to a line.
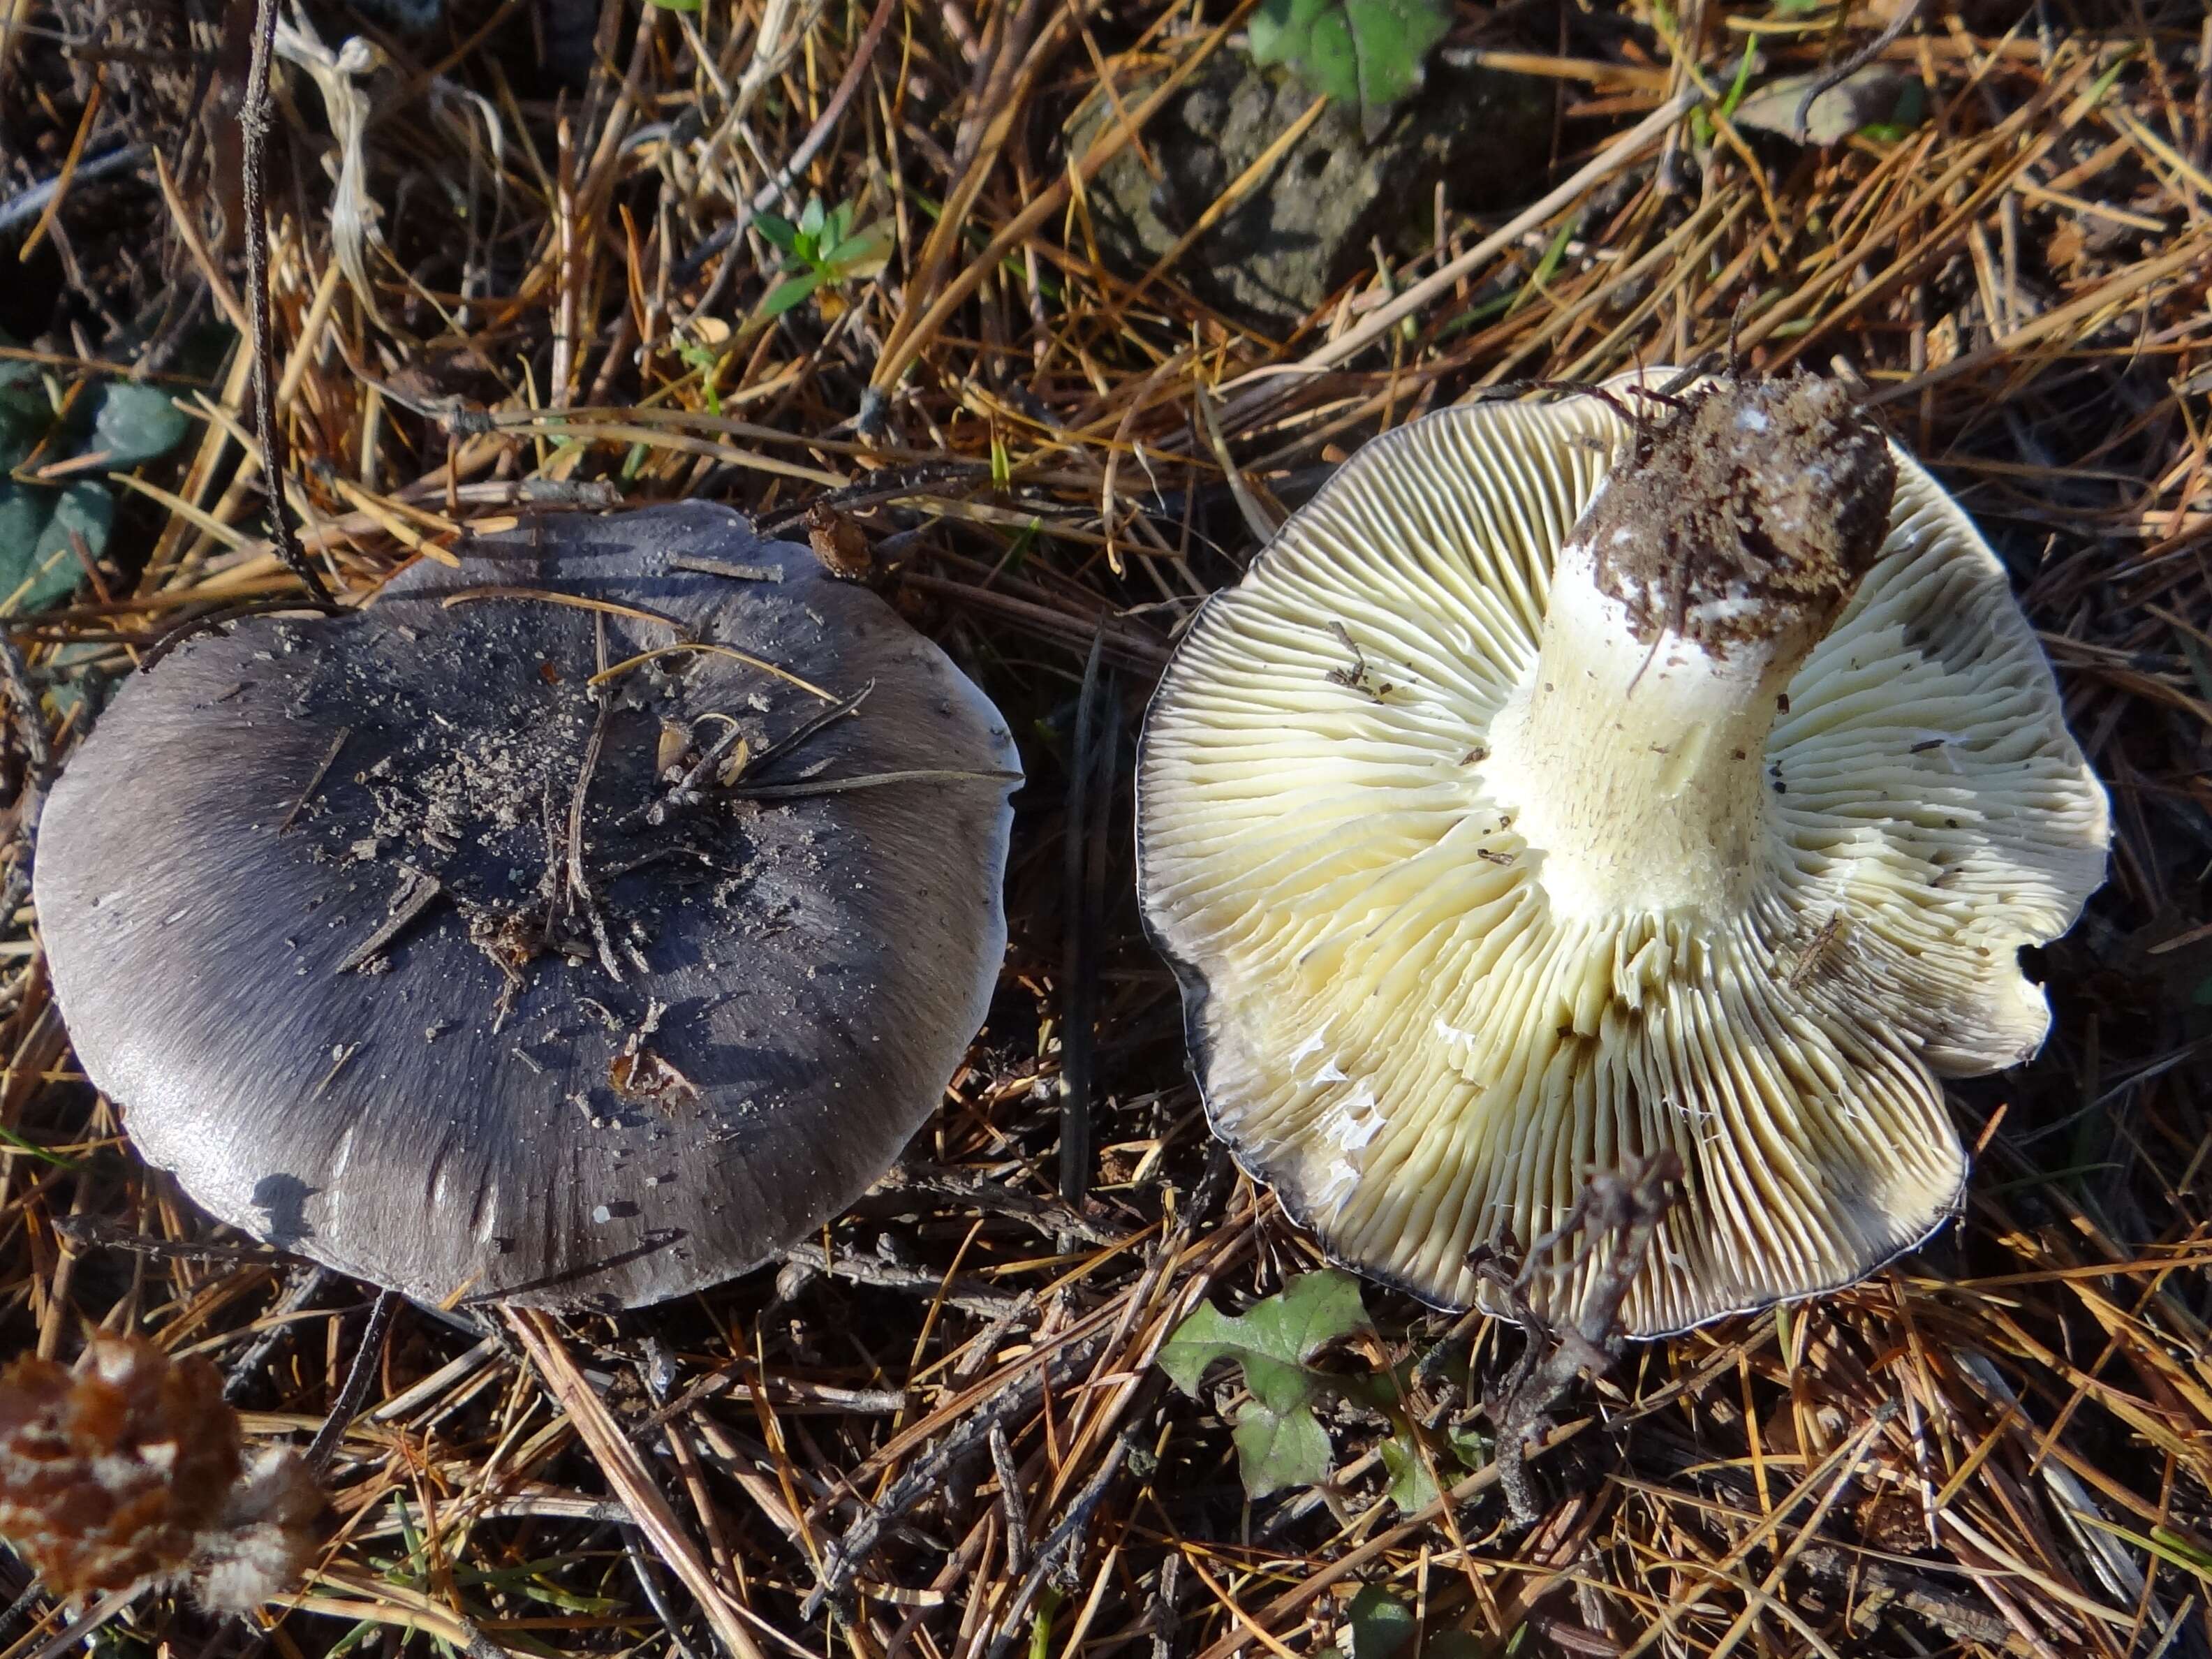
[676, 5]
[1472, 1446]
[1410, 1488]
[864, 248]
[38, 563]
[705, 362]
[136, 424]
[24, 510]
[1277, 1450]
[862, 255]
[786, 294]
[810, 221]
[777, 231]
[85, 513]
[1279, 1442]
[1367, 52]
[1377, 1625]
[24, 417]
[1273, 1342]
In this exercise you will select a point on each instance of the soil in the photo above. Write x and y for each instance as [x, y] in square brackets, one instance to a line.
[1776, 491]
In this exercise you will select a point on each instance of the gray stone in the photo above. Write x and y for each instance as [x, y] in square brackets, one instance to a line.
[1306, 229]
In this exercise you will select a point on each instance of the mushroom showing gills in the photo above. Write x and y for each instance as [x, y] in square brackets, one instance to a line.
[572, 927]
[1558, 789]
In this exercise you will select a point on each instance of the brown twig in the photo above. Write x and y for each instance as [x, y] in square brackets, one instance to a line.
[1614, 1216]
[253, 122]
[367, 1358]
[1891, 31]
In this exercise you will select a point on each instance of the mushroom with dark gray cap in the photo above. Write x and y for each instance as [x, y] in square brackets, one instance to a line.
[578, 927]
[1571, 784]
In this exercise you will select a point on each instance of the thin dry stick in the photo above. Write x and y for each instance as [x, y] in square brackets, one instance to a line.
[1262, 386]
[1063, 1547]
[626, 1472]
[1617, 1215]
[901, 355]
[253, 125]
[355, 1389]
[1010, 1497]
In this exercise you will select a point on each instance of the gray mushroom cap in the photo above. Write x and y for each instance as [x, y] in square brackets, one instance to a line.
[305, 896]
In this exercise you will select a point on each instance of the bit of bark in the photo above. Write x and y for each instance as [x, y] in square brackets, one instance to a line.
[418, 891]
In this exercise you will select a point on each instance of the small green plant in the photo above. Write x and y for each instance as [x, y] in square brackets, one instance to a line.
[1277, 1343]
[1279, 1442]
[706, 362]
[419, 1568]
[822, 250]
[1364, 52]
[1412, 1486]
[56, 508]
[1379, 1626]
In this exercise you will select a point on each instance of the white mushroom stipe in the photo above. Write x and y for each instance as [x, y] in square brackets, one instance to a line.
[1632, 766]
[1493, 849]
